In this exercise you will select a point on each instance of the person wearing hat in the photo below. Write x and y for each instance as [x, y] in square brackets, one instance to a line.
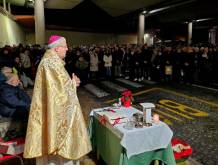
[56, 132]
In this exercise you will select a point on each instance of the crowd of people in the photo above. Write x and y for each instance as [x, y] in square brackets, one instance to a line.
[54, 70]
[180, 63]
[162, 63]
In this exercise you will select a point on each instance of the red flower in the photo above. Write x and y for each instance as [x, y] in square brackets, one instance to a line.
[127, 98]
[185, 153]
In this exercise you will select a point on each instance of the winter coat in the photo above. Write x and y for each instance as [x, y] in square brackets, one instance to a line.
[11, 99]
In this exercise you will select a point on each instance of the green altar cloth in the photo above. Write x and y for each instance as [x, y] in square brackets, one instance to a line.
[106, 142]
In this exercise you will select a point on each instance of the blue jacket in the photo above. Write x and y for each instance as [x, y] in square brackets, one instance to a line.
[11, 99]
[2, 78]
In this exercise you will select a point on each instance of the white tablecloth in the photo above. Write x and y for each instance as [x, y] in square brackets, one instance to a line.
[139, 140]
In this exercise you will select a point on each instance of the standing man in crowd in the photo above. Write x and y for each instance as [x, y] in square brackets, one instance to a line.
[56, 131]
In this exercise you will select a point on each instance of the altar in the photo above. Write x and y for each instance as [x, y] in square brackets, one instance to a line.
[138, 146]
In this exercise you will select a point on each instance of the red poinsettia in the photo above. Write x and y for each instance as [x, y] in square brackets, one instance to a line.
[185, 152]
[127, 98]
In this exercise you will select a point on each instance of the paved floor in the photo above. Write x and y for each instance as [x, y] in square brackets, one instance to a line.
[190, 111]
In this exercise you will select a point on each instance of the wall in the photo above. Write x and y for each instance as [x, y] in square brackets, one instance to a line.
[10, 32]
[127, 38]
[78, 38]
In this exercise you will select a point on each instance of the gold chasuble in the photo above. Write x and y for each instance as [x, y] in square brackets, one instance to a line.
[56, 125]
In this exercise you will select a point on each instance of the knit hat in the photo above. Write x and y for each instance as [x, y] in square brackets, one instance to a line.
[55, 41]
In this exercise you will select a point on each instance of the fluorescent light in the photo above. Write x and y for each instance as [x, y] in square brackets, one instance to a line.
[144, 12]
[170, 6]
[157, 10]
[204, 19]
[146, 35]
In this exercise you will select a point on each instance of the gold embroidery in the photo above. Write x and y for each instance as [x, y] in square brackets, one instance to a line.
[56, 124]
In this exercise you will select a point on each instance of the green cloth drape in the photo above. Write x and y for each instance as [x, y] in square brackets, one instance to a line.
[107, 144]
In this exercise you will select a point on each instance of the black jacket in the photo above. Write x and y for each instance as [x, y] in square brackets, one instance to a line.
[11, 99]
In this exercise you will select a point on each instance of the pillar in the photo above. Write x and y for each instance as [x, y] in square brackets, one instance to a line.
[39, 22]
[9, 8]
[212, 35]
[189, 33]
[141, 28]
[4, 4]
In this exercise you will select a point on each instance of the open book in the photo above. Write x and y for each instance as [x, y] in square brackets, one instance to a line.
[114, 117]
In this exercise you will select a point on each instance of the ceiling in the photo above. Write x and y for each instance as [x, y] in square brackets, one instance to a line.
[112, 7]
[61, 4]
[118, 15]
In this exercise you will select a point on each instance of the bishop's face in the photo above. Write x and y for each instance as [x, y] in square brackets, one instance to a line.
[61, 50]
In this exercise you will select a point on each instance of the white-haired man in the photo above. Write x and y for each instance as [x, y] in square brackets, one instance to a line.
[56, 131]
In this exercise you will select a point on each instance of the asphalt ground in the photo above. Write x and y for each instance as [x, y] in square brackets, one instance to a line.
[189, 110]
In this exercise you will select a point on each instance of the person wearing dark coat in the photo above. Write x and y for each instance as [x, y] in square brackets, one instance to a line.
[14, 102]
[4, 72]
[6, 58]
[2, 78]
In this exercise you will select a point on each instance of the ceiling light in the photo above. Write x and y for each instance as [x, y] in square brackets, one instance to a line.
[169, 7]
[158, 10]
[144, 12]
[204, 19]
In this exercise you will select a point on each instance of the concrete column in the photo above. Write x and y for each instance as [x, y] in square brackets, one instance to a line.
[189, 33]
[141, 29]
[9, 8]
[39, 22]
[216, 42]
[212, 35]
[4, 4]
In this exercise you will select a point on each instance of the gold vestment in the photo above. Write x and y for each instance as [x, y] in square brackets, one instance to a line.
[56, 125]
